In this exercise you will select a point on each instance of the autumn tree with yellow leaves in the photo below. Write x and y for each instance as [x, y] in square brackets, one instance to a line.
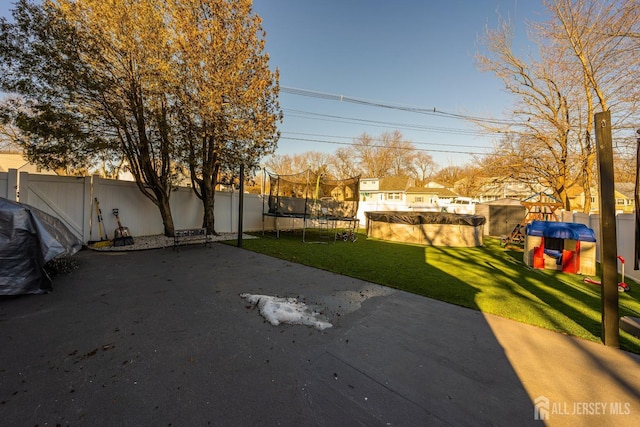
[169, 85]
[226, 95]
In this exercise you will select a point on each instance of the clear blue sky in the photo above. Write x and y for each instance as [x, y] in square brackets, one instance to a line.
[417, 53]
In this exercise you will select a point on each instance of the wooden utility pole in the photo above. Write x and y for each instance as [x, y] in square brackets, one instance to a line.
[608, 239]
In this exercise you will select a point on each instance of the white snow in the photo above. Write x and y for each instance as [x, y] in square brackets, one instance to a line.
[286, 310]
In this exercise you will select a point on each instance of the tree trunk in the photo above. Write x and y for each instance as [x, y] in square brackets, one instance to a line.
[162, 201]
[208, 192]
[208, 201]
[588, 169]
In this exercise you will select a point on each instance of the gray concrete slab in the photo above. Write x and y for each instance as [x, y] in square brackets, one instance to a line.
[160, 337]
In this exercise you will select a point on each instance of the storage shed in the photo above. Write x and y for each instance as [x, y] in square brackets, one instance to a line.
[564, 246]
[502, 216]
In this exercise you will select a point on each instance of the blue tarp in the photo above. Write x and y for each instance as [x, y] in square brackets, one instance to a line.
[561, 230]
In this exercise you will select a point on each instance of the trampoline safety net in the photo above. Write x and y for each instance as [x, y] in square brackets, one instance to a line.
[308, 195]
[334, 198]
[288, 194]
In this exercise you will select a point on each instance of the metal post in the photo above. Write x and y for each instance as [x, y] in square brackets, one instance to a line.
[240, 205]
[636, 208]
[608, 243]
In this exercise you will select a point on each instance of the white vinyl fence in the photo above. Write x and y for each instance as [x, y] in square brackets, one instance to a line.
[72, 200]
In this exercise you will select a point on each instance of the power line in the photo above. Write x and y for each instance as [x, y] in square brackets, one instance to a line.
[426, 150]
[379, 123]
[378, 139]
[388, 105]
[382, 104]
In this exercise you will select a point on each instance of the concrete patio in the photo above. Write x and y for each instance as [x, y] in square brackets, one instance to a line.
[162, 337]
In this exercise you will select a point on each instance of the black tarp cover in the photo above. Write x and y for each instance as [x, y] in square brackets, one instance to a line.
[415, 218]
[29, 238]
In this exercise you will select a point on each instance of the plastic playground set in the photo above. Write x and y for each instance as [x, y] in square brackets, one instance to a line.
[552, 244]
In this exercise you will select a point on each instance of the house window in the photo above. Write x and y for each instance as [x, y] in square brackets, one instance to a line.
[419, 199]
[394, 196]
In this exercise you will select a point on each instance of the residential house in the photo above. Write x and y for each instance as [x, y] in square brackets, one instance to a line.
[429, 196]
[14, 160]
[400, 193]
[623, 192]
[495, 188]
[387, 190]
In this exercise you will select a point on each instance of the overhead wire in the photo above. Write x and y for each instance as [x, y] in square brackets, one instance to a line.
[382, 104]
[375, 139]
[380, 123]
[410, 148]
[434, 111]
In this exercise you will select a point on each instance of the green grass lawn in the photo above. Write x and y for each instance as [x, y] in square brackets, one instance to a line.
[491, 279]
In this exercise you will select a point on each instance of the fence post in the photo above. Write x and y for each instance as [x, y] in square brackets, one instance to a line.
[23, 187]
[12, 185]
[86, 209]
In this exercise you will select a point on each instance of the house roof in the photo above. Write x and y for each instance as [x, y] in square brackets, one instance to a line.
[395, 183]
[440, 192]
[438, 184]
[627, 189]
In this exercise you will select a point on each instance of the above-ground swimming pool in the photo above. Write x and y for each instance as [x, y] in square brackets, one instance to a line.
[426, 228]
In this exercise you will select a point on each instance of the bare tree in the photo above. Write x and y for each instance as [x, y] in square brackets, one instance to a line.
[399, 151]
[540, 145]
[449, 174]
[422, 167]
[288, 164]
[389, 154]
[343, 163]
[595, 34]
[371, 159]
[583, 61]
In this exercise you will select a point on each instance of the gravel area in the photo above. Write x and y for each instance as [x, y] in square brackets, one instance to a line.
[160, 241]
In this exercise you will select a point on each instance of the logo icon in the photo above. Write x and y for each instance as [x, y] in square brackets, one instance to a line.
[541, 408]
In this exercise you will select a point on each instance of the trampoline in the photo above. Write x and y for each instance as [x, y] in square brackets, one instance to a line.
[310, 201]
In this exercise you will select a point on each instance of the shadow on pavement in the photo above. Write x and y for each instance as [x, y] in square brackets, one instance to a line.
[163, 337]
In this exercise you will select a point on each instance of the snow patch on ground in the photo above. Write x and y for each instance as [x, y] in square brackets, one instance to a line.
[286, 310]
